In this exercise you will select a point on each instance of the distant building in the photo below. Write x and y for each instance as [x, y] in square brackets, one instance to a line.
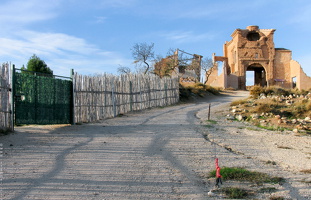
[252, 49]
[173, 66]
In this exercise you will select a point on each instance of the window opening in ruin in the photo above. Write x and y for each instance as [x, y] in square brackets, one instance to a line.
[250, 78]
[221, 66]
[256, 75]
[294, 82]
[253, 36]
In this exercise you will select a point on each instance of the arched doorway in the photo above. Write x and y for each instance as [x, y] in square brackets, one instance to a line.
[259, 74]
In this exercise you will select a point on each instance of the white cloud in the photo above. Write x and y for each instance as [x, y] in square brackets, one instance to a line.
[18, 12]
[59, 51]
[186, 36]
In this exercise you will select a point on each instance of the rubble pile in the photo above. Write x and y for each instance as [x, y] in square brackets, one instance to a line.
[278, 116]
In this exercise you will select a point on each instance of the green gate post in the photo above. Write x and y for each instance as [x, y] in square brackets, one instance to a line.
[13, 96]
[73, 97]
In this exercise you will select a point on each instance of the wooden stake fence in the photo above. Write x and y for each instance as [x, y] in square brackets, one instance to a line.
[106, 96]
[5, 95]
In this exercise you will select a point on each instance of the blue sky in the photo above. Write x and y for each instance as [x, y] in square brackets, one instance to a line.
[96, 36]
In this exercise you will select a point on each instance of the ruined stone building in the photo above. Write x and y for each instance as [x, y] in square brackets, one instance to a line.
[187, 69]
[252, 49]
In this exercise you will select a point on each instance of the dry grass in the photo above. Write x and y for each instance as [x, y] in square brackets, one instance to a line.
[306, 171]
[277, 102]
[239, 102]
[196, 89]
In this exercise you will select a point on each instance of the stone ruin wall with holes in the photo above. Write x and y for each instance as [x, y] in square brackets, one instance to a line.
[252, 49]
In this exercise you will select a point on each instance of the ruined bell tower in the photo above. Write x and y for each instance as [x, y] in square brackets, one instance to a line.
[252, 49]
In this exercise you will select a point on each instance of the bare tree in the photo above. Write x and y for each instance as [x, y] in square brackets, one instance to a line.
[124, 70]
[208, 67]
[143, 53]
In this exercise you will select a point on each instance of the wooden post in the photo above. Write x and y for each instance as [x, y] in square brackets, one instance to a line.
[13, 97]
[113, 98]
[165, 90]
[209, 111]
[140, 93]
[131, 96]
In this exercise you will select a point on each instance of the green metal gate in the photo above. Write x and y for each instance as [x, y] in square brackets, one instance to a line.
[41, 98]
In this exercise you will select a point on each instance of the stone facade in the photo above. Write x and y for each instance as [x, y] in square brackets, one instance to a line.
[252, 49]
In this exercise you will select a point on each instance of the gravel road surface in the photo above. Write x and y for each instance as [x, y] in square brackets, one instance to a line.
[162, 153]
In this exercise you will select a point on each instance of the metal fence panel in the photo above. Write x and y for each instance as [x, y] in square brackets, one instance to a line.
[42, 99]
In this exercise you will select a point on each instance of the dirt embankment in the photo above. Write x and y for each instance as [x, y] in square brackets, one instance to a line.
[280, 153]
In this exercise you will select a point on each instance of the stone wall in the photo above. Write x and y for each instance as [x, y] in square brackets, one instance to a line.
[282, 67]
[303, 82]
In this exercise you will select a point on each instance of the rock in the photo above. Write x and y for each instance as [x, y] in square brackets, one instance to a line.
[299, 127]
[210, 193]
[284, 121]
[230, 117]
[302, 121]
[288, 102]
[245, 111]
[308, 119]
[239, 117]
[277, 116]
[255, 116]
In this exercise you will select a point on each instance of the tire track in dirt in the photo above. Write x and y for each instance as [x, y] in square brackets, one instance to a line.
[153, 154]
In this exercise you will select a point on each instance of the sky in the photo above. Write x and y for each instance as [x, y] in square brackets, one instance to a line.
[96, 36]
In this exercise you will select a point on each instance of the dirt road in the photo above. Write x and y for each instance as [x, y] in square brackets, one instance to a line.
[154, 154]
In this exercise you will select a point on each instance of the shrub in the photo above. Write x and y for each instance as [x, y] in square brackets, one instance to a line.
[256, 91]
[241, 174]
[5, 131]
[308, 106]
[184, 93]
[197, 89]
[267, 190]
[235, 193]
[212, 90]
[277, 198]
[266, 105]
[278, 91]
